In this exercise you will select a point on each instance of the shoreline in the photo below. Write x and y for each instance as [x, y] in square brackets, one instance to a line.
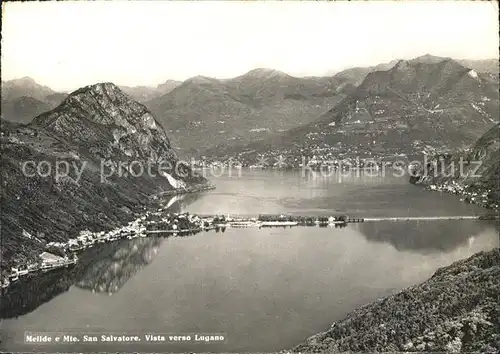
[469, 194]
[33, 271]
[454, 310]
[178, 191]
[139, 228]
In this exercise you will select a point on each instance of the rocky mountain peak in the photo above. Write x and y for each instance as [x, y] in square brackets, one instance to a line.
[199, 80]
[402, 65]
[95, 93]
[424, 74]
[25, 86]
[24, 81]
[169, 84]
[108, 121]
[429, 59]
[103, 103]
[265, 73]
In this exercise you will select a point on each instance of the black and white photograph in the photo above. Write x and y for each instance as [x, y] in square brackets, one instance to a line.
[250, 177]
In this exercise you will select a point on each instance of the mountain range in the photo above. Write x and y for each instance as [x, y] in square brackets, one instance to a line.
[203, 112]
[266, 104]
[23, 99]
[205, 115]
[485, 66]
[146, 93]
[108, 150]
[428, 103]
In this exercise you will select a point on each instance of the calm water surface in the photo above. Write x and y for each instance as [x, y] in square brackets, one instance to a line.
[265, 289]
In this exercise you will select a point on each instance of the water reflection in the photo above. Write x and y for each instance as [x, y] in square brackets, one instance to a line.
[423, 236]
[103, 269]
[118, 263]
[24, 297]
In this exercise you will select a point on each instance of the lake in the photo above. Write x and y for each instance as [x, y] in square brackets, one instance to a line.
[266, 289]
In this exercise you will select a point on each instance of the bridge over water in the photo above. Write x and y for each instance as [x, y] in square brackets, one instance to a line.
[369, 219]
[290, 221]
[425, 218]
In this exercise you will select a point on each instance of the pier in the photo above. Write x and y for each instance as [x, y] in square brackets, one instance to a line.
[429, 218]
[221, 222]
[344, 219]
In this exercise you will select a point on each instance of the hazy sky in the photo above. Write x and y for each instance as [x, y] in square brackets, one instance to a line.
[68, 45]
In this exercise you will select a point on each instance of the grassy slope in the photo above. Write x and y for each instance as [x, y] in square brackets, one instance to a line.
[455, 310]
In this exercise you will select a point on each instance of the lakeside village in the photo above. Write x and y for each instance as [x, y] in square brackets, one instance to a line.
[64, 254]
[480, 196]
[284, 162]
[316, 156]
